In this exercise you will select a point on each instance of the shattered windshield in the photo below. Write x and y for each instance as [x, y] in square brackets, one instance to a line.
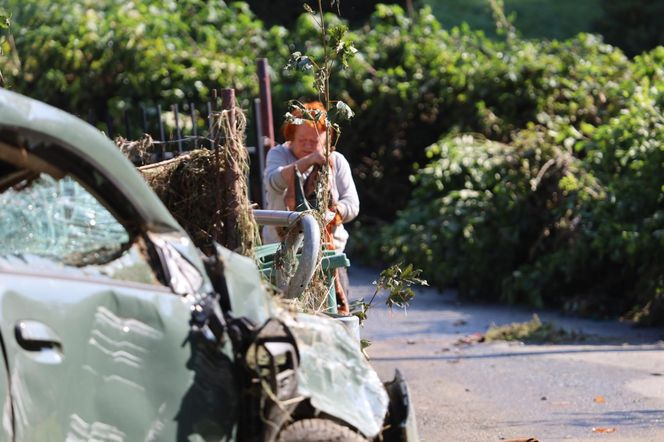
[59, 220]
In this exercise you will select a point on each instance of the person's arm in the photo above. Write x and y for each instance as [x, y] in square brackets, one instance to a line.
[277, 159]
[279, 167]
[348, 205]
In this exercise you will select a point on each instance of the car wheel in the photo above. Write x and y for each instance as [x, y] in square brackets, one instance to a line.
[318, 430]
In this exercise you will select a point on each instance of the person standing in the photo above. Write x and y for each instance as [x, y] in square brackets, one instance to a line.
[304, 152]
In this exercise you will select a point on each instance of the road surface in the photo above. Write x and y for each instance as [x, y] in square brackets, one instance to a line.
[610, 387]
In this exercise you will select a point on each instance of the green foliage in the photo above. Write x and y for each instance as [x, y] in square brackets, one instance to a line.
[5, 47]
[88, 55]
[398, 283]
[566, 211]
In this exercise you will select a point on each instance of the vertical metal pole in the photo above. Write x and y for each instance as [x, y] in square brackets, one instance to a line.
[260, 148]
[194, 124]
[210, 128]
[266, 101]
[161, 133]
[176, 112]
[212, 106]
[145, 119]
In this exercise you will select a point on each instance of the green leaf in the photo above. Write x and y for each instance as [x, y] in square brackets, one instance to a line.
[343, 112]
[308, 9]
[5, 20]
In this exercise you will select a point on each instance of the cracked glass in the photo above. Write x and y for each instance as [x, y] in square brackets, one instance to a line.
[57, 225]
[60, 220]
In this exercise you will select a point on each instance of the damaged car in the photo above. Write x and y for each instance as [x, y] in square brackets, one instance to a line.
[115, 327]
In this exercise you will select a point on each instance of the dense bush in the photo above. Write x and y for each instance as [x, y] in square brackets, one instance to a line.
[559, 216]
[89, 56]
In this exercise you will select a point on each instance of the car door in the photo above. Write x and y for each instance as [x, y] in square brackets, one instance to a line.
[96, 346]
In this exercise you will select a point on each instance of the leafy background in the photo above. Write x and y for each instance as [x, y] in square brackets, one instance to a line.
[521, 167]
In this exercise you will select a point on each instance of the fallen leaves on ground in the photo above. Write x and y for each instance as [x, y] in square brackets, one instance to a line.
[534, 331]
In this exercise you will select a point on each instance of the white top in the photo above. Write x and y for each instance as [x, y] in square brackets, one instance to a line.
[343, 191]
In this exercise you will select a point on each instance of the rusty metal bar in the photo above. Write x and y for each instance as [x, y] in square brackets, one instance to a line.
[260, 148]
[266, 101]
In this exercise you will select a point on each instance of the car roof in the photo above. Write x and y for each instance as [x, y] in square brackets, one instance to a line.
[36, 119]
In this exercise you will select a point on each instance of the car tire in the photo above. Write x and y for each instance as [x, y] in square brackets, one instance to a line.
[318, 430]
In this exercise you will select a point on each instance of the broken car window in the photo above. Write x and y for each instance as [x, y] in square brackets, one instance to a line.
[59, 220]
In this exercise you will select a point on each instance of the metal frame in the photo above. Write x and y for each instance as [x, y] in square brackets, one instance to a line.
[307, 235]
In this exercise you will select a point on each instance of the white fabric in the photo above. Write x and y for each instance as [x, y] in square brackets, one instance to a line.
[343, 192]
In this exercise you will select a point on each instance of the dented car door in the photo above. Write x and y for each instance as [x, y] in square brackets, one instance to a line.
[97, 347]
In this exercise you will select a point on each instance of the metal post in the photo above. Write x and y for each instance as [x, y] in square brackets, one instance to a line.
[161, 133]
[210, 127]
[266, 101]
[260, 148]
[194, 124]
[176, 112]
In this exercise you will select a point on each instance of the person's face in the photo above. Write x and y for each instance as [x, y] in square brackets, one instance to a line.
[307, 140]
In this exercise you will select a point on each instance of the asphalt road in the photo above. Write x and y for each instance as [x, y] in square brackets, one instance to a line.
[610, 387]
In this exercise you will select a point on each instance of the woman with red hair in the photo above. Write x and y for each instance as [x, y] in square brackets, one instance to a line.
[304, 152]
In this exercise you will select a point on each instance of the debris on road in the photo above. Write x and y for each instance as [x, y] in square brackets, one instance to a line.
[533, 331]
[604, 430]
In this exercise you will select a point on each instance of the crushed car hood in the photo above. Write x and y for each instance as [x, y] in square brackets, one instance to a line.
[336, 376]
[333, 373]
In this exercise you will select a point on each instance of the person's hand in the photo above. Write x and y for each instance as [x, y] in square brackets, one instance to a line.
[312, 159]
[316, 157]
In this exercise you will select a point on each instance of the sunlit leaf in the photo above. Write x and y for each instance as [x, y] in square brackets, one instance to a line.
[343, 111]
[308, 9]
